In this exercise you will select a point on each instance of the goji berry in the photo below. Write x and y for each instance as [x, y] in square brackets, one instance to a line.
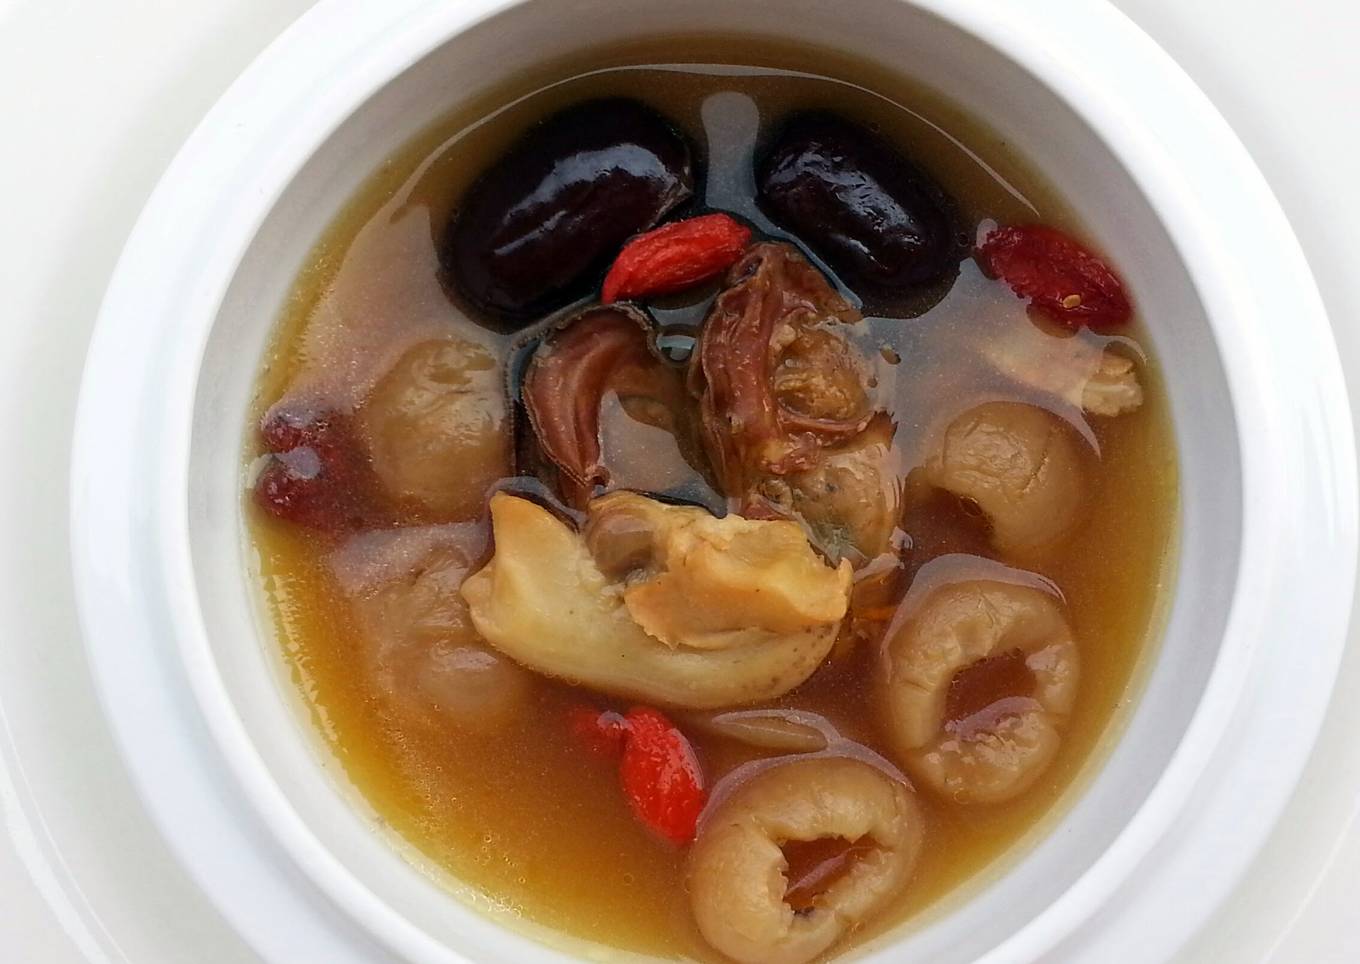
[675, 256]
[602, 732]
[661, 776]
[658, 769]
[315, 474]
[1060, 277]
[288, 426]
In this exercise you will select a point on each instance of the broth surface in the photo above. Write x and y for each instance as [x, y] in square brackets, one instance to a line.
[522, 815]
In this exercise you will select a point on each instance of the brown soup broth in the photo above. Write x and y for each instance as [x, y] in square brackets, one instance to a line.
[524, 817]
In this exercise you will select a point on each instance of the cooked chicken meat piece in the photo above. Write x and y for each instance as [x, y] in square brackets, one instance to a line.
[1113, 387]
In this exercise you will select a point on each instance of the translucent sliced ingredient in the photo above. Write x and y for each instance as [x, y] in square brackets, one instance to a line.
[785, 731]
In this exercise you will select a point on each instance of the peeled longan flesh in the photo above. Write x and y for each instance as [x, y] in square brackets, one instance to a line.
[435, 428]
[1022, 466]
[958, 626]
[738, 882]
[419, 640]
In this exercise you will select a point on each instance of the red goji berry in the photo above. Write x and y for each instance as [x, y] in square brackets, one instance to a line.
[675, 256]
[1060, 277]
[315, 474]
[658, 769]
[291, 425]
[602, 732]
[661, 776]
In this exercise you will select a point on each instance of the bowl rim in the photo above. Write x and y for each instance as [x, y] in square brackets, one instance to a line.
[1281, 466]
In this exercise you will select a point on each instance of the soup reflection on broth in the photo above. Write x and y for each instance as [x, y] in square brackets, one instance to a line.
[743, 479]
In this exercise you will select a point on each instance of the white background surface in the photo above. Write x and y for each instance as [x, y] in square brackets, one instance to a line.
[96, 95]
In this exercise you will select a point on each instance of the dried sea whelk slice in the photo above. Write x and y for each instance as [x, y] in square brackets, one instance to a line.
[1077, 368]
[545, 601]
[958, 626]
[557, 206]
[600, 353]
[787, 419]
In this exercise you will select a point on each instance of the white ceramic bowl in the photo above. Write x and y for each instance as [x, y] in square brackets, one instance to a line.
[1229, 711]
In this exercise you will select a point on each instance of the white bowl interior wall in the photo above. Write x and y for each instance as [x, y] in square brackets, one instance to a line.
[1041, 127]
